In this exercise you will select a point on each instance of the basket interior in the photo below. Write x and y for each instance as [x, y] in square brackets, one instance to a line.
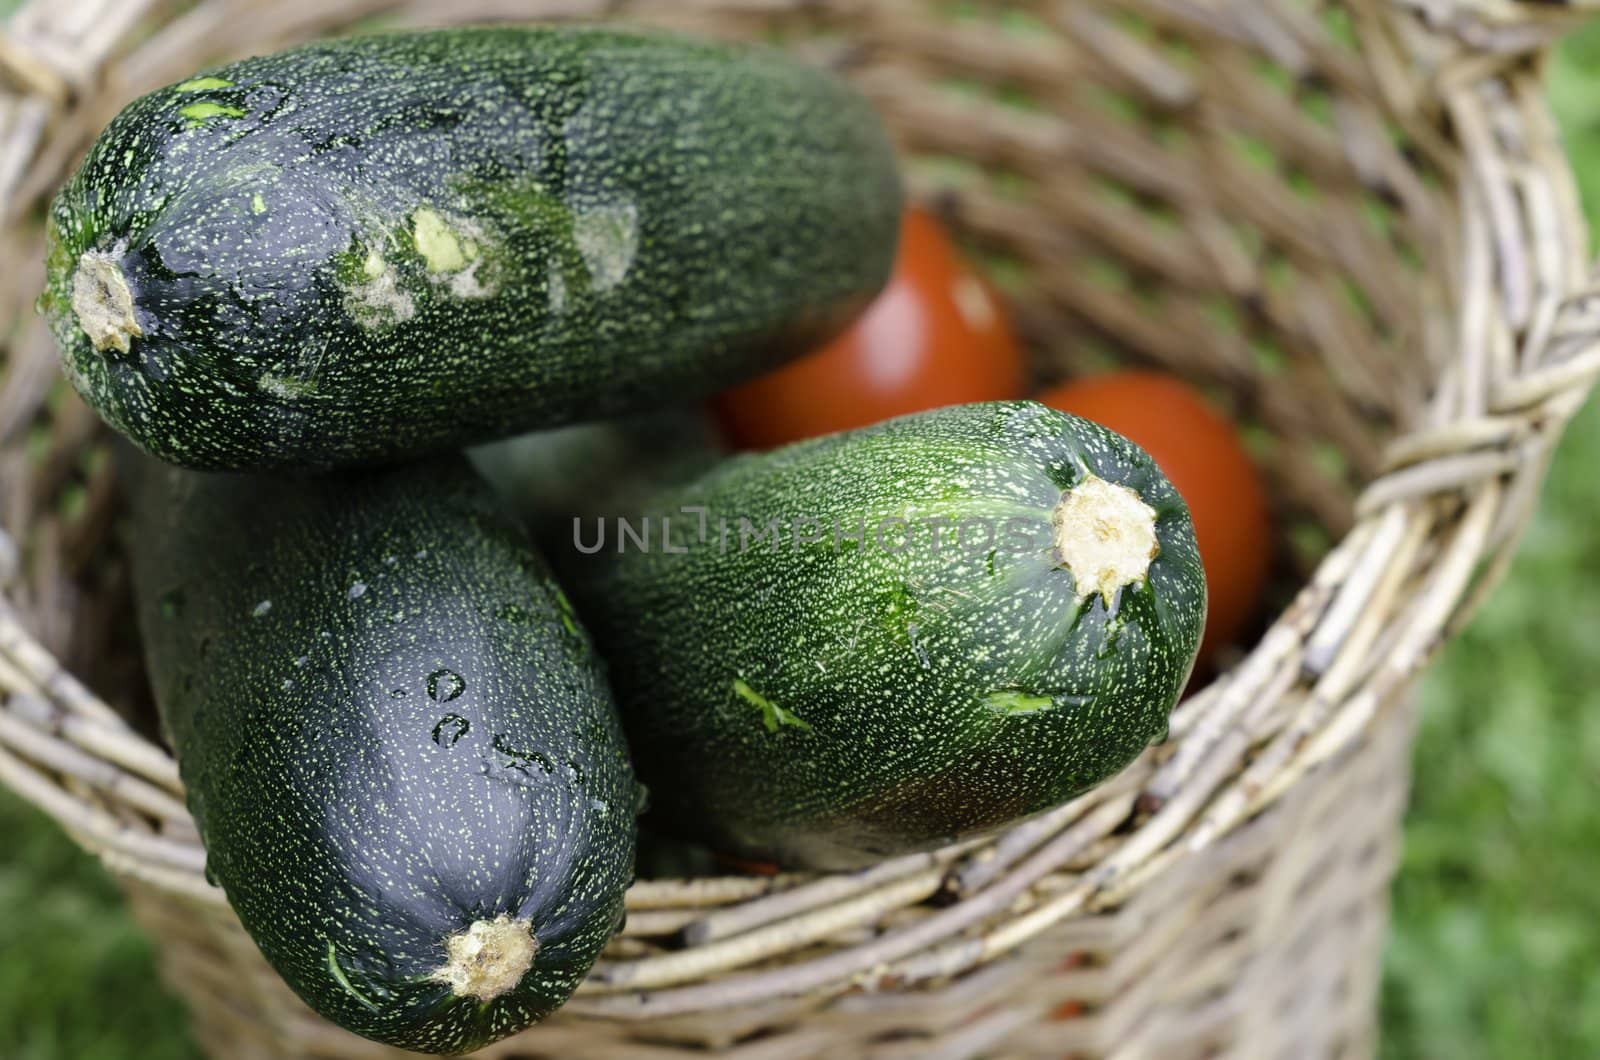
[1234, 199]
[1344, 221]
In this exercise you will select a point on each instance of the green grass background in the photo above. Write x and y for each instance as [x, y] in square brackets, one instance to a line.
[1496, 943]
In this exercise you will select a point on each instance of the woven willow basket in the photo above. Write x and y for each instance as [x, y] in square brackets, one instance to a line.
[1351, 221]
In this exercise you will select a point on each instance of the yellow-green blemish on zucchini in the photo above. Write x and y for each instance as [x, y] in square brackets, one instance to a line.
[257, 203]
[569, 614]
[772, 715]
[451, 249]
[201, 84]
[442, 250]
[197, 113]
[1010, 701]
[344, 980]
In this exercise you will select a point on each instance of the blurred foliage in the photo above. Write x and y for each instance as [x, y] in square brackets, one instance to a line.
[1496, 945]
[1575, 92]
[77, 978]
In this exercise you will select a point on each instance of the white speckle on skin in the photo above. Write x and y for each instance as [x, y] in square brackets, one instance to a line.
[608, 239]
[380, 303]
[557, 291]
[465, 284]
[285, 388]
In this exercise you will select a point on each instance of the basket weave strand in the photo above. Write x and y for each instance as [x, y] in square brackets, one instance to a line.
[1351, 222]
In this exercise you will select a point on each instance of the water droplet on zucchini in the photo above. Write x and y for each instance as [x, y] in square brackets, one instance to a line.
[445, 685]
[522, 759]
[450, 729]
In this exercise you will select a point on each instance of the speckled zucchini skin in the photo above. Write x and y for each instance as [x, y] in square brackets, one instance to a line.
[390, 726]
[378, 247]
[826, 706]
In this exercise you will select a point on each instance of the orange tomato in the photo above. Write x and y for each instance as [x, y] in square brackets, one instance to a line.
[935, 336]
[1202, 454]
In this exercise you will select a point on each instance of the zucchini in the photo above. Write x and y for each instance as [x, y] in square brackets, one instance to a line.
[879, 641]
[372, 248]
[583, 471]
[398, 742]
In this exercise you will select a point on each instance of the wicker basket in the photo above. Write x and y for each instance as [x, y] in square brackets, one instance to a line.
[1352, 221]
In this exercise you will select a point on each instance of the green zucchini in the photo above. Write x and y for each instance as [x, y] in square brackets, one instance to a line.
[398, 742]
[879, 641]
[372, 248]
[550, 478]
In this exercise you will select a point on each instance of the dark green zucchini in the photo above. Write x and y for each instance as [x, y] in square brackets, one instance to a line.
[878, 641]
[371, 248]
[586, 470]
[398, 742]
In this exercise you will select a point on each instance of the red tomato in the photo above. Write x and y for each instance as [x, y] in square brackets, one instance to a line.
[1201, 453]
[935, 336]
